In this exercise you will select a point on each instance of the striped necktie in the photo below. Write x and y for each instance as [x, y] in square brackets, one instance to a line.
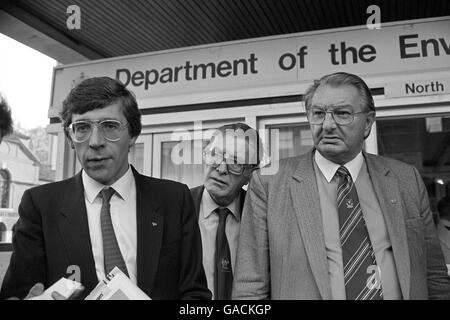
[361, 273]
[111, 251]
[223, 275]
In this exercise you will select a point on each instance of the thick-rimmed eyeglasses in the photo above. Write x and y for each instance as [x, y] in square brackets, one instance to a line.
[340, 116]
[111, 130]
[216, 159]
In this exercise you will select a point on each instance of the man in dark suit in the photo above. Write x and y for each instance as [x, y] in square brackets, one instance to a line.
[231, 155]
[337, 222]
[5, 119]
[108, 215]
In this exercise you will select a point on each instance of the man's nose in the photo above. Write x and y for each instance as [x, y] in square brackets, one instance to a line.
[222, 168]
[328, 122]
[96, 139]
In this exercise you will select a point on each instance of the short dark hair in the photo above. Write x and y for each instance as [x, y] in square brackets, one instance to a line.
[244, 127]
[341, 79]
[6, 123]
[444, 208]
[98, 93]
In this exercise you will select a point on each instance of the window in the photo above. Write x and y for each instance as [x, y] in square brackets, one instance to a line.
[423, 142]
[5, 185]
[294, 140]
[188, 172]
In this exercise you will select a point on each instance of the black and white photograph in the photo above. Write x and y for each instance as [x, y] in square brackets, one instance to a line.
[232, 152]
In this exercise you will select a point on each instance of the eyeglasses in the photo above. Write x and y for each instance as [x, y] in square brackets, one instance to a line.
[215, 159]
[111, 130]
[340, 116]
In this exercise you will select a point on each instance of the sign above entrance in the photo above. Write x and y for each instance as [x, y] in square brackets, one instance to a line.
[417, 88]
[273, 66]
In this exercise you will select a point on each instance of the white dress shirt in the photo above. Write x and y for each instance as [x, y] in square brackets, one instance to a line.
[373, 217]
[123, 216]
[208, 223]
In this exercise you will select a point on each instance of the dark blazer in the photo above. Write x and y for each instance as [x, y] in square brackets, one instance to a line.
[52, 234]
[281, 252]
[197, 194]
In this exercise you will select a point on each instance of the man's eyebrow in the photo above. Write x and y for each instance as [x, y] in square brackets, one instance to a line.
[97, 120]
[326, 107]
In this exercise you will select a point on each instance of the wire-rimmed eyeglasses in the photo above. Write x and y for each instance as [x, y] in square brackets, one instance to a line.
[340, 116]
[215, 159]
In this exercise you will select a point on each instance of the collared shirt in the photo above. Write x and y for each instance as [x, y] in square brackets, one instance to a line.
[123, 216]
[327, 183]
[208, 223]
[444, 238]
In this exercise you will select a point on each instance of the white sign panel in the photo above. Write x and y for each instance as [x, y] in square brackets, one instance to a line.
[252, 68]
[418, 88]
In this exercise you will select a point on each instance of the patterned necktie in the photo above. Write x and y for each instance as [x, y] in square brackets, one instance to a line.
[223, 275]
[111, 251]
[361, 273]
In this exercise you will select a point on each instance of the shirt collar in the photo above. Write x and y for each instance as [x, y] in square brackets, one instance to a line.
[209, 205]
[329, 168]
[122, 186]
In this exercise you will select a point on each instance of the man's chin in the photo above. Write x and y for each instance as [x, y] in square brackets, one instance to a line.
[98, 174]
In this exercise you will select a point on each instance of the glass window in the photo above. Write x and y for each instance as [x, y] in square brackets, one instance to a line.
[182, 161]
[294, 140]
[5, 184]
[423, 142]
[136, 157]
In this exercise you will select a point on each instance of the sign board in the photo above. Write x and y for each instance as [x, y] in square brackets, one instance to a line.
[417, 88]
[252, 68]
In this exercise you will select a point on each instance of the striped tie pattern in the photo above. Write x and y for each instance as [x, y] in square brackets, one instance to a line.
[111, 251]
[361, 273]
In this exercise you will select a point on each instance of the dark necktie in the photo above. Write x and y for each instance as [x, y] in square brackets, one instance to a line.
[361, 273]
[111, 251]
[223, 275]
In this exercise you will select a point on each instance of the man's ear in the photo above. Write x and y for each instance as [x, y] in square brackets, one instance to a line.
[132, 142]
[70, 142]
[369, 123]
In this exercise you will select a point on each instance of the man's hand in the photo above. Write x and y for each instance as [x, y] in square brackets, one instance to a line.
[35, 291]
[38, 289]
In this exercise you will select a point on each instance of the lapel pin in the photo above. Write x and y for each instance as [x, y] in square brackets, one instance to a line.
[154, 224]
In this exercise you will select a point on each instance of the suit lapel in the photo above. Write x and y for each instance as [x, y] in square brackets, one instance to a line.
[74, 229]
[150, 226]
[388, 195]
[305, 197]
[197, 194]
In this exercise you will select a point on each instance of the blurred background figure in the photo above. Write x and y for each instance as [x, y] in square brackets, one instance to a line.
[5, 119]
[443, 227]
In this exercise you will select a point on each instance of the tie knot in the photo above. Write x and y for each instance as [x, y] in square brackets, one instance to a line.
[342, 171]
[223, 213]
[107, 193]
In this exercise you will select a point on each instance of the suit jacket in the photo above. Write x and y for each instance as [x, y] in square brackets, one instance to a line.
[197, 194]
[281, 252]
[52, 234]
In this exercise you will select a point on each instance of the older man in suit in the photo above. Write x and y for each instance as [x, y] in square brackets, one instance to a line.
[231, 156]
[108, 215]
[338, 223]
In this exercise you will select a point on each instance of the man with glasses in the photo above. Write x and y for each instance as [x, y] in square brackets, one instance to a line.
[108, 215]
[337, 222]
[230, 157]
